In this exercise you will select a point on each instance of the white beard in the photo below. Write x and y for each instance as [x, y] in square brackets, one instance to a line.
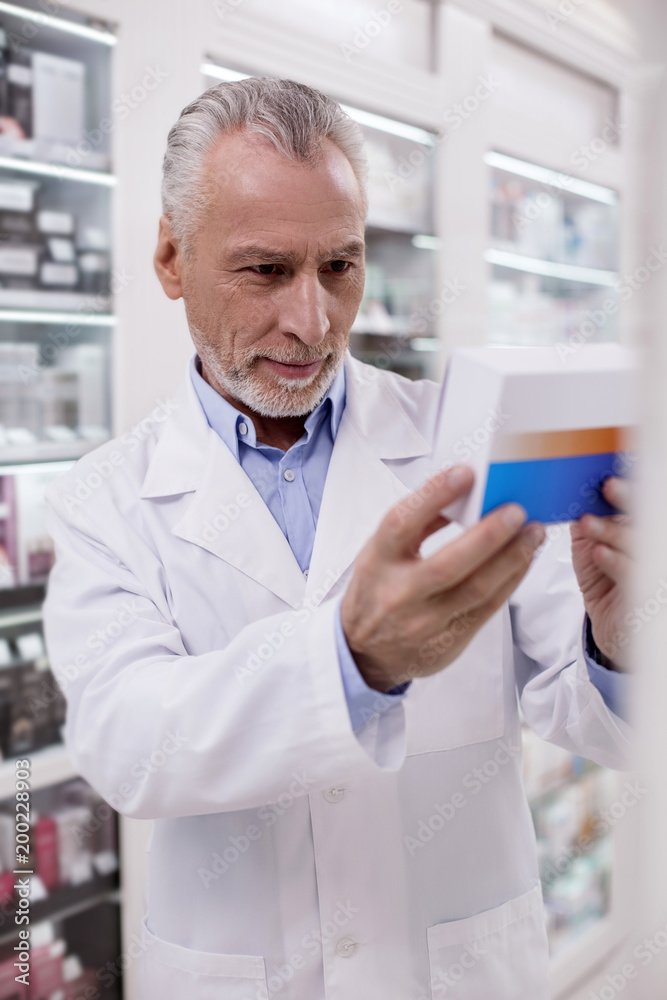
[284, 396]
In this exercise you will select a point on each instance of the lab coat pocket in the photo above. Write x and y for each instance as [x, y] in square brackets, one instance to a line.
[170, 972]
[500, 953]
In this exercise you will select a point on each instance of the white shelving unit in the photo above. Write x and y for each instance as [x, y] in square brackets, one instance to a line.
[56, 331]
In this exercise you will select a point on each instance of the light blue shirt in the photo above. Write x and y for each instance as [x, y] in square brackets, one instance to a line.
[291, 484]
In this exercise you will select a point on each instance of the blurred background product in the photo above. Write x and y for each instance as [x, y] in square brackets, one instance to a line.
[74, 897]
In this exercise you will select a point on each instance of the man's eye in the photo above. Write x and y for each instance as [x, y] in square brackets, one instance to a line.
[264, 268]
[338, 266]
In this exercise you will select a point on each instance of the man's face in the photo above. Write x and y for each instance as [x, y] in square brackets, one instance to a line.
[276, 276]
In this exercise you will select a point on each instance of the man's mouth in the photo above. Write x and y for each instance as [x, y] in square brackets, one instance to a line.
[294, 369]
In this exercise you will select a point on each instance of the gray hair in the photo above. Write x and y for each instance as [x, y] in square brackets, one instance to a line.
[293, 117]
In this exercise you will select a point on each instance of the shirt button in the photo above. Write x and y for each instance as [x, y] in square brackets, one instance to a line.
[334, 794]
[288, 475]
[346, 947]
[305, 573]
[243, 428]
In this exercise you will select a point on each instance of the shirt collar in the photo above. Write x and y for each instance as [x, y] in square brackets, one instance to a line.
[225, 419]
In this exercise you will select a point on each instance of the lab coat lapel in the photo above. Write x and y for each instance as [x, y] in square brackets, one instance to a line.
[360, 488]
[226, 515]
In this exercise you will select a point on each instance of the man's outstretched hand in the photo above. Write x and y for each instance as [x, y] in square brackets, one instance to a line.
[407, 616]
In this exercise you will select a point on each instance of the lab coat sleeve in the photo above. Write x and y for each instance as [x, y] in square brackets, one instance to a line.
[557, 697]
[161, 733]
[363, 702]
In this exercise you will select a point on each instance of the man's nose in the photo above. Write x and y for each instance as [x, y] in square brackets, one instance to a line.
[303, 309]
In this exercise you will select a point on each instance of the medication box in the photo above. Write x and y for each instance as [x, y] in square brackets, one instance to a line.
[538, 426]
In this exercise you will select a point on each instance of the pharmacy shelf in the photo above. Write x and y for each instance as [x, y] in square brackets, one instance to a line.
[575, 964]
[49, 766]
[44, 451]
[67, 22]
[61, 171]
[67, 900]
[565, 184]
[551, 269]
[40, 299]
[41, 316]
[560, 784]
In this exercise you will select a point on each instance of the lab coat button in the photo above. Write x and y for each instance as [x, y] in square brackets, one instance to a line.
[346, 947]
[288, 475]
[334, 794]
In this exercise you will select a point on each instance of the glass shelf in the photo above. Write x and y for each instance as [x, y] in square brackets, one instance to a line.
[553, 251]
[15, 156]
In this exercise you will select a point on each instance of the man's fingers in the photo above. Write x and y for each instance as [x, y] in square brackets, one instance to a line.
[614, 564]
[617, 491]
[515, 558]
[485, 611]
[451, 564]
[405, 527]
[611, 531]
[462, 626]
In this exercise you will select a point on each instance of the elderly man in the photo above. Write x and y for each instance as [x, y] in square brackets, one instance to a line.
[274, 645]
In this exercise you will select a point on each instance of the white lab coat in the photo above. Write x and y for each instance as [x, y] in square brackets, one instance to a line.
[291, 856]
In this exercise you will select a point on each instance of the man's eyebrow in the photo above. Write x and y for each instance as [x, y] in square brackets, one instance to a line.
[254, 252]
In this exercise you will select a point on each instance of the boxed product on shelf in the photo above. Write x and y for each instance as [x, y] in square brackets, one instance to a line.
[34, 546]
[58, 98]
[8, 539]
[73, 840]
[95, 272]
[19, 265]
[56, 275]
[18, 227]
[87, 362]
[56, 223]
[46, 962]
[31, 711]
[17, 196]
[19, 90]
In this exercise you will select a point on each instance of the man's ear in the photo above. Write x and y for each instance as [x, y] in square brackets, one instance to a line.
[168, 261]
